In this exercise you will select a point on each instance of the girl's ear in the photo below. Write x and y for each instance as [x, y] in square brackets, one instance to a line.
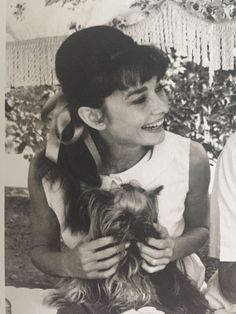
[92, 117]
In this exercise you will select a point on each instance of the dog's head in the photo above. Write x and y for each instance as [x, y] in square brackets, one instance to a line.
[126, 212]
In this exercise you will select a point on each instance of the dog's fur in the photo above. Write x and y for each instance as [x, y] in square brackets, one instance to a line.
[127, 213]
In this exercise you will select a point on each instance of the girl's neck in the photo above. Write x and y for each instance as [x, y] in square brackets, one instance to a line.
[119, 158]
[115, 157]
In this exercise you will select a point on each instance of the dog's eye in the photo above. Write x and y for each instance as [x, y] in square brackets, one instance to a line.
[123, 222]
[122, 218]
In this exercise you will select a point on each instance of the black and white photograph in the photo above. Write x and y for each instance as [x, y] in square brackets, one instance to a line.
[119, 162]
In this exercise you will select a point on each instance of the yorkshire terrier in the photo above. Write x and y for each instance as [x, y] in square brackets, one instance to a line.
[127, 213]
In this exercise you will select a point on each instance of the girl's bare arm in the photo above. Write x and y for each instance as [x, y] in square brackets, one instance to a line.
[196, 205]
[45, 229]
[83, 261]
[161, 251]
[227, 279]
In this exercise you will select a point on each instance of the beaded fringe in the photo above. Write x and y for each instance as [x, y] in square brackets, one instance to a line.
[31, 62]
[211, 44]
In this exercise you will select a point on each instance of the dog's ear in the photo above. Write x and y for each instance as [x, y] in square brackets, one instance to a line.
[153, 197]
[98, 204]
[155, 191]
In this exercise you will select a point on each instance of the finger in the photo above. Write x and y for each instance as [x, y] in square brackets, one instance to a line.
[162, 230]
[102, 265]
[152, 269]
[99, 243]
[161, 244]
[102, 274]
[155, 253]
[155, 262]
[110, 251]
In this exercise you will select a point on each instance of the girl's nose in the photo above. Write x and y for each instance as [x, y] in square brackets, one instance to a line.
[160, 104]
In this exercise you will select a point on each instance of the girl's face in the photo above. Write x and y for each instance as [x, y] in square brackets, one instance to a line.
[134, 117]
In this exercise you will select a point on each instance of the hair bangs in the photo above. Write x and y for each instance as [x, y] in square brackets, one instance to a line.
[138, 65]
[131, 67]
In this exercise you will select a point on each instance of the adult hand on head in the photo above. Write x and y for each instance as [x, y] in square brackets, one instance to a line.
[97, 259]
[157, 253]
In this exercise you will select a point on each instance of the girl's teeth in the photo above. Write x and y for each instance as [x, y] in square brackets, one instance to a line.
[153, 126]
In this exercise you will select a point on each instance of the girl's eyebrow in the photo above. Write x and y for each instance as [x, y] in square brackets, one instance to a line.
[136, 91]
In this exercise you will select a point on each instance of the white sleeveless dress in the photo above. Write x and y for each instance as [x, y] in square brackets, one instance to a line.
[167, 165]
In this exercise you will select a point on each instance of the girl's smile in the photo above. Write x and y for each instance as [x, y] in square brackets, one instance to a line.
[135, 116]
[154, 125]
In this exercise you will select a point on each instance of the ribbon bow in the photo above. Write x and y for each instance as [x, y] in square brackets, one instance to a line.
[57, 116]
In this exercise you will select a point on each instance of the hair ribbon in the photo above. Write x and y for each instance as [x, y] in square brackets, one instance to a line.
[56, 114]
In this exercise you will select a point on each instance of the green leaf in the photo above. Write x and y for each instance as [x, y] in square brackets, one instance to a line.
[50, 2]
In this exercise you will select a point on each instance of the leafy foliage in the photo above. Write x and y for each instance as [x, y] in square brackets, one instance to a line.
[214, 10]
[204, 113]
[18, 10]
[71, 2]
[210, 9]
[25, 131]
[50, 2]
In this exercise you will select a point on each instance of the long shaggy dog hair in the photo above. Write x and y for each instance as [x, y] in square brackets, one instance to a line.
[127, 213]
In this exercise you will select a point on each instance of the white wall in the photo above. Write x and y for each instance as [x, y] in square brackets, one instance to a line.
[15, 170]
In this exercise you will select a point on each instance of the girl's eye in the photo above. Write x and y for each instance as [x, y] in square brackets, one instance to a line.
[139, 100]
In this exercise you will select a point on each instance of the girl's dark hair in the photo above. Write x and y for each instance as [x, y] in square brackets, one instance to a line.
[90, 65]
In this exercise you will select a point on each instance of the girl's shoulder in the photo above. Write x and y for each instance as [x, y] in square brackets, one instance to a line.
[185, 152]
[198, 153]
[42, 173]
[42, 168]
[173, 145]
[175, 139]
[199, 167]
[178, 142]
[45, 190]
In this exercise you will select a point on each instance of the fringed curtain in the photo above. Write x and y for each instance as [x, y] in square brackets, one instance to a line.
[31, 62]
[211, 44]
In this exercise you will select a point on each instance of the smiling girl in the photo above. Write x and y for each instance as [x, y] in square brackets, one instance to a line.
[109, 128]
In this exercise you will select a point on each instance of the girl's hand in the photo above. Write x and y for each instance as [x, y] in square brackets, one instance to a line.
[158, 253]
[94, 260]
